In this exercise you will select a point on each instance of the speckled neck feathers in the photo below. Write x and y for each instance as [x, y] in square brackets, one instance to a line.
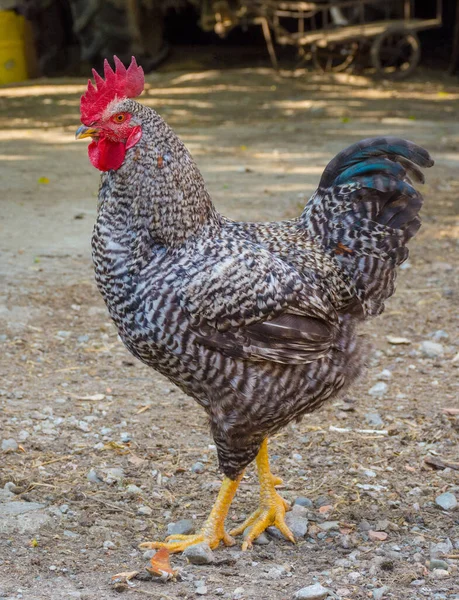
[158, 192]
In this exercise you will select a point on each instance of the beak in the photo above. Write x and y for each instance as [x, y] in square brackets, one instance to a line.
[83, 132]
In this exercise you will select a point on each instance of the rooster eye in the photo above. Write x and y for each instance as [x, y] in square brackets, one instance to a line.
[119, 118]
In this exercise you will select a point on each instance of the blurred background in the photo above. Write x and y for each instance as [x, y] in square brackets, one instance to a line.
[65, 37]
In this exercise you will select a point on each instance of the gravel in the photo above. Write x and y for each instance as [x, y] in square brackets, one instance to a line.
[311, 592]
[10, 445]
[302, 501]
[446, 501]
[431, 349]
[199, 554]
[183, 527]
[379, 389]
[198, 467]
[261, 540]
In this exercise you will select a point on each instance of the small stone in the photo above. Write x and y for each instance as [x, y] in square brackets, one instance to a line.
[126, 437]
[93, 477]
[436, 563]
[441, 548]
[397, 341]
[431, 349]
[297, 524]
[64, 508]
[276, 572]
[201, 590]
[148, 554]
[378, 390]
[440, 335]
[377, 536]
[311, 592]
[144, 511]
[374, 419]
[198, 468]
[199, 554]
[261, 540]
[302, 501]
[238, 593]
[329, 526]
[439, 573]
[378, 593]
[113, 475]
[446, 501]
[109, 545]
[183, 527]
[354, 576]
[82, 339]
[385, 375]
[10, 445]
[133, 489]
[64, 334]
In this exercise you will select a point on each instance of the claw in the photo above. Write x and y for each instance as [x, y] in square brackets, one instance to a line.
[272, 506]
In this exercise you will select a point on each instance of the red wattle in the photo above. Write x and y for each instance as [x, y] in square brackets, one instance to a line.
[106, 155]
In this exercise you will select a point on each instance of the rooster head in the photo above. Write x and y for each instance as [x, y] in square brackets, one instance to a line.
[105, 115]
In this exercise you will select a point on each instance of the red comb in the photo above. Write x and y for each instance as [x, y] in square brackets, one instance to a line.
[121, 83]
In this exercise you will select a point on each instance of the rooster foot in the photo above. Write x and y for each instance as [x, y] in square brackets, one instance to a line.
[272, 506]
[178, 543]
[213, 531]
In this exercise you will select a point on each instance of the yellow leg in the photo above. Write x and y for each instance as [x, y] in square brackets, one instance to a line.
[272, 506]
[213, 531]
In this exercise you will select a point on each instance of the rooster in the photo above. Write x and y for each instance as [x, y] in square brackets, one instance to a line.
[256, 321]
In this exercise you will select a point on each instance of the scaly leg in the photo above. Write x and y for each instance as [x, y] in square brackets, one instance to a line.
[272, 506]
[213, 531]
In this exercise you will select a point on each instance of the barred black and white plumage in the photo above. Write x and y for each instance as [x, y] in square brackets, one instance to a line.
[256, 321]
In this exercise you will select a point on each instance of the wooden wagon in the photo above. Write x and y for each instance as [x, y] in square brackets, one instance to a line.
[333, 33]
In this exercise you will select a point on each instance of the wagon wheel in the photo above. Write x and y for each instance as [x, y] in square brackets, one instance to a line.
[334, 57]
[395, 53]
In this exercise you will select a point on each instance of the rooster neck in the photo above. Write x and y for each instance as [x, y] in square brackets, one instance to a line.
[159, 190]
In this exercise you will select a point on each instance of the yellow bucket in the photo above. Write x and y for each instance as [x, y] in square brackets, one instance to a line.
[13, 67]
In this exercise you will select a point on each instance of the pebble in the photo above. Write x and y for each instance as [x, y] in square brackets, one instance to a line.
[261, 540]
[126, 437]
[133, 489]
[329, 526]
[306, 502]
[144, 511]
[378, 593]
[312, 592]
[198, 467]
[109, 545]
[440, 335]
[297, 524]
[199, 554]
[436, 563]
[441, 548]
[354, 576]
[148, 554]
[446, 501]
[374, 419]
[238, 593]
[113, 475]
[10, 445]
[93, 477]
[201, 590]
[439, 573]
[276, 572]
[431, 349]
[385, 375]
[64, 508]
[379, 389]
[183, 527]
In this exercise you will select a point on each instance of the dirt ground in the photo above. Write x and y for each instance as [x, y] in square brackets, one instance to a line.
[75, 405]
